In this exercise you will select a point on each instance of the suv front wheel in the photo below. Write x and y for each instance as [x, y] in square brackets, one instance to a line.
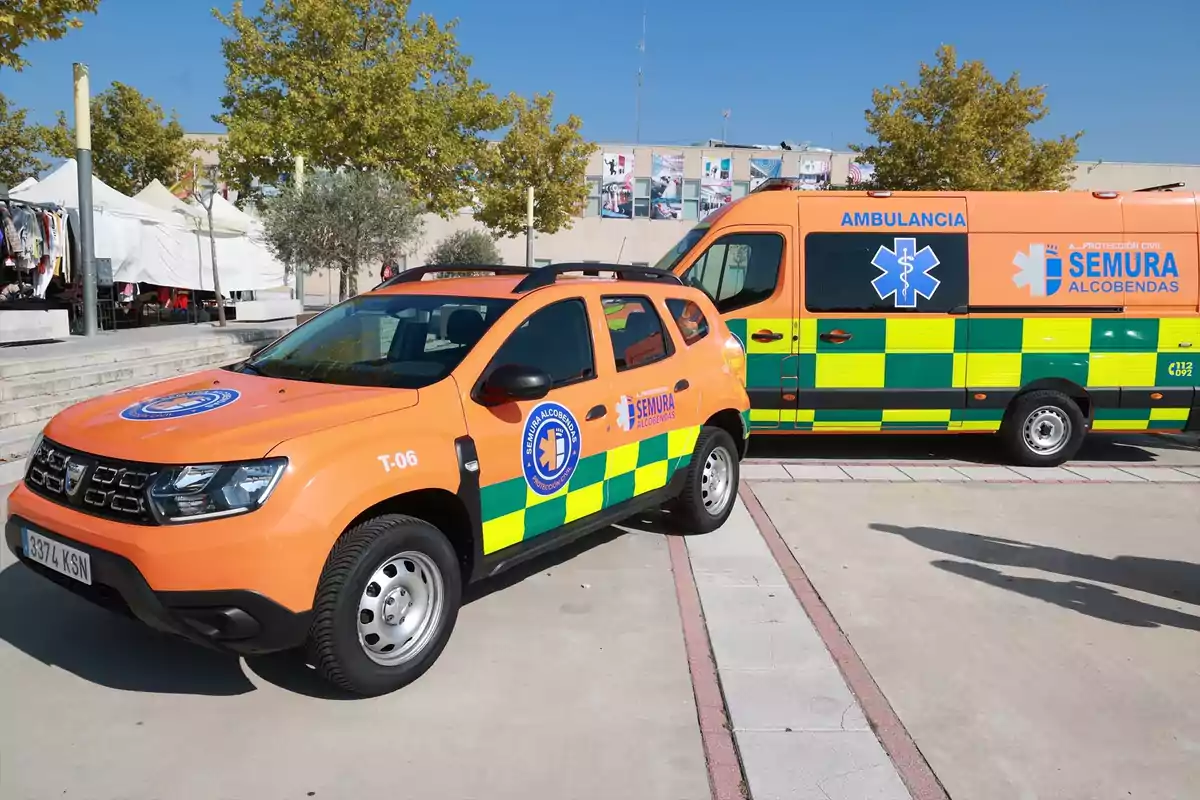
[386, 604]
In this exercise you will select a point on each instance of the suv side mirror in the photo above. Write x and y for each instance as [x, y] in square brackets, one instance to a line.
[510, 382]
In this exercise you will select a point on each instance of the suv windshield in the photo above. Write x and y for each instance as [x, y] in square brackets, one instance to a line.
[676, 253]
[403, 341]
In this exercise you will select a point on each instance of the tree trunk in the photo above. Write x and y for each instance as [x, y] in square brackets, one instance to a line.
[343, 284]
[212, 241]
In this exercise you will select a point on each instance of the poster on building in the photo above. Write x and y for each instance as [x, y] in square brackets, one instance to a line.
[815, 170]
[763, 169]
[860, 174]
[616, 200]
[666, 187]
[716, 184]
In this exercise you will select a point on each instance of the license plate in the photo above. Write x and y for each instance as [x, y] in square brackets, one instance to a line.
[57, 556]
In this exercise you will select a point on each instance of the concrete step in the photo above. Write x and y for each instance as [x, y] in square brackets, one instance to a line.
[72, 355]
[43, 407]
[145, 368]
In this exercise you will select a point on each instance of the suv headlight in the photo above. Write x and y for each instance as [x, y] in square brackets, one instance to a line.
[208, 491]
[33, 451]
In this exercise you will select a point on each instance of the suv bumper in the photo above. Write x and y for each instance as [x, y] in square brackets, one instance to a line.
[237, 621]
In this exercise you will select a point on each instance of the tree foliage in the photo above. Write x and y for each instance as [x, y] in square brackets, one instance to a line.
[551, 159]
[353, 84]
[23, 21]
[959, 128]
[466, 247]
[21, 144]
[133, 142]
[342, 221]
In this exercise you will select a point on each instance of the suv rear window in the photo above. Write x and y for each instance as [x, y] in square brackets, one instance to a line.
[636, 332]
[689, 318]
[403, 341]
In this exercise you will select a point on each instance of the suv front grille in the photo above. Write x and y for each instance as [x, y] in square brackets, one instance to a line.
[94, 485]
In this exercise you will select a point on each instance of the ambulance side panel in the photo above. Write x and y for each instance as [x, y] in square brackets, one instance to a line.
[882, 300]
[1070, 291]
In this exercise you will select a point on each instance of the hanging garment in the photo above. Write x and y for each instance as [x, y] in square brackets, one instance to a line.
[26, 227]
[9, 252]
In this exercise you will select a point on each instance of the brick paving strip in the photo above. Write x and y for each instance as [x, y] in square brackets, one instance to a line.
[926, 472]
[915, 772]
[724, 769]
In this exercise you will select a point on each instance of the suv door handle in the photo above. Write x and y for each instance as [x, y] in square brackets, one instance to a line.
[681, 384]
[766, 336]
[836, 336]
[596, 413]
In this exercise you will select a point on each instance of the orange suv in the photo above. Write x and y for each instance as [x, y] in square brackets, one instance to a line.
[339, 487]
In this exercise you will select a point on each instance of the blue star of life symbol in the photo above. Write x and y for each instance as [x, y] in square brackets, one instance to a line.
[905, 272]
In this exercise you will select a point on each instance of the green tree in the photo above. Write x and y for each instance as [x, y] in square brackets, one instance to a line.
[466, 247]
[342, 221]
[959, 128]
[133, 142]
[353, 84]
[22, 21]
[21, 144]
[551, 159]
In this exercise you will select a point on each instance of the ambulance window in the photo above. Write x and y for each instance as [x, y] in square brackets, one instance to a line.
[690, 319]
[636, 332]
[885, 272]
[738, 270]
[556, 339]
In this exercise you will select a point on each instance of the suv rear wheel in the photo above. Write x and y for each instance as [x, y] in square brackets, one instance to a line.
[386, 604]
[712, 482]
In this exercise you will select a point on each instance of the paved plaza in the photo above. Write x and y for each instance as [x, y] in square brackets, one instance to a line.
[917, 624]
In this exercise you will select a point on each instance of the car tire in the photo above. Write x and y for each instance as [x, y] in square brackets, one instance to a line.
[385, 605]
[1043, 428]
[710, 488]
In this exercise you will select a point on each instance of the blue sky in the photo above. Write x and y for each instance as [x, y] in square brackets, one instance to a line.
[1127, 75]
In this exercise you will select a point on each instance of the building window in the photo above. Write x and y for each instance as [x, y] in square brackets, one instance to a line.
[641, 197]
[691, 198]
[593, 198]
[740, 189]
[840, 272]
[542, 262]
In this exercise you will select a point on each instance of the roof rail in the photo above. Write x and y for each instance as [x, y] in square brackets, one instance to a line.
[1166, 187]
[548, 275]
[418, 273]
[776, 185]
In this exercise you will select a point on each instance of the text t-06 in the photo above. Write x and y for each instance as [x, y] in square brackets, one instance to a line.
[401, 460]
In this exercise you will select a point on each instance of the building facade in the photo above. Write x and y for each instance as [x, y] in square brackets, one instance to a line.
[643, 198]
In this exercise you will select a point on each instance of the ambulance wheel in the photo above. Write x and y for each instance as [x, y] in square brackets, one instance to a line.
[1043, 428]
[711, 484]
[385, 605]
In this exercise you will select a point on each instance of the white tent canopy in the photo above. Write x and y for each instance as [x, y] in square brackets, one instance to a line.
[25, 184]
[160, 196]
[151, 244]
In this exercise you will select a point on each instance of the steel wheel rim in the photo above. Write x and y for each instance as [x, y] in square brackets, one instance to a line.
[399, 608]
[716, 481]
[1047, 430]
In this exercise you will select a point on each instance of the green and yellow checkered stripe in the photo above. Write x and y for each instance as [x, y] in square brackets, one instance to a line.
[512, 512]
[916, 353]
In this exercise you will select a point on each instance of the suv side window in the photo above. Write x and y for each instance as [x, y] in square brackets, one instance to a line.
[636, 332]
[689, 318]
[923, 273]
[738, 270]
[556, 339]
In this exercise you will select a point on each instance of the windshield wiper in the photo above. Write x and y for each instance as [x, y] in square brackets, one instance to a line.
[246, 366]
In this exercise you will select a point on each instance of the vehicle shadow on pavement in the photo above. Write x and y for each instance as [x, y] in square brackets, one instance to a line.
[48, 623]
[974, 449]
[1178, 581]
